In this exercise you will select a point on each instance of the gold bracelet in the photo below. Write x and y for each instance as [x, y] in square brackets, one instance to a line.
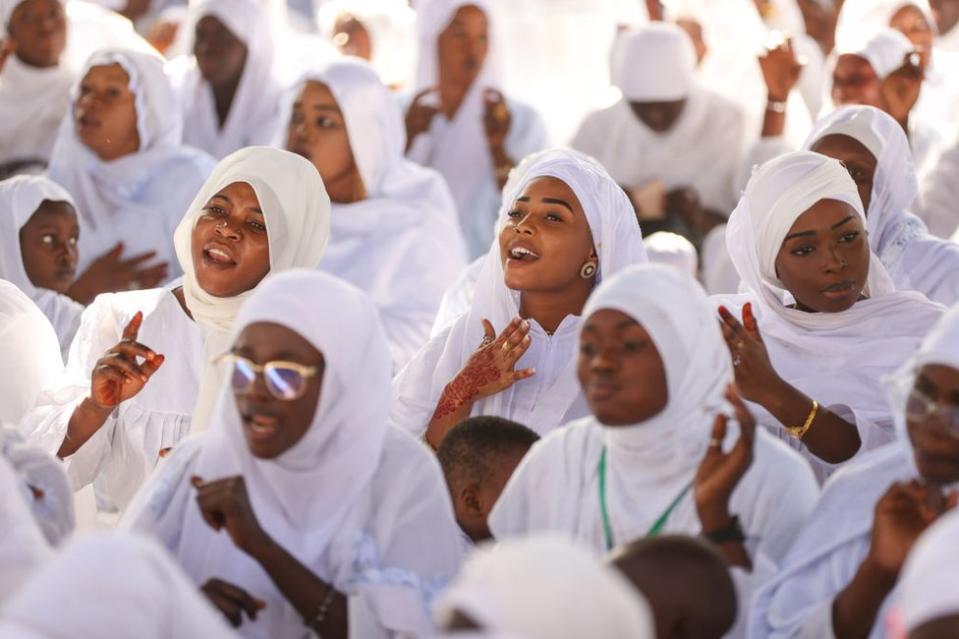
[799, 431]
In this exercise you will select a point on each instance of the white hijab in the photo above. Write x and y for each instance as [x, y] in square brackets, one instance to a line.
[29, 353]
[859, 17]
[928, 583]
[545, 586]
[111, 203]
[834, 357]
[111, 586]
[296, 210]
[20, 197]
[884, 49]
[618, 243]
[253, 113]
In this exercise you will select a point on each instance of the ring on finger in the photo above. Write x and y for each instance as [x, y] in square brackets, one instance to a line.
[738, 344]
[715, 442]
[507, 345]
[487, 340]
[737, 360]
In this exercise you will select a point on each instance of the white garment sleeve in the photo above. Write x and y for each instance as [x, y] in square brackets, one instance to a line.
[938, 195]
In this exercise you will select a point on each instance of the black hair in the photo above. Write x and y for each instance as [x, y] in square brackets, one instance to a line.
[471, 449]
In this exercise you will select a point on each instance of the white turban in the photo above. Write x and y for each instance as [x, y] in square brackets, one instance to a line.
[655, 63]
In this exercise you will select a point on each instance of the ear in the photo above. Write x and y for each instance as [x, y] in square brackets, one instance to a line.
[469, 498]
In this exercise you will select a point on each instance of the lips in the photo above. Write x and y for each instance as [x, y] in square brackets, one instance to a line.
[839, 290]
[520, 252]
[217, 255]
[601, 390]
[65, 273]
[260, 426]
[87, 122]
[301, 151]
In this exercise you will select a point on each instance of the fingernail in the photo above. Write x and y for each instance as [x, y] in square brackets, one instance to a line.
[526, 324]
[722, 310]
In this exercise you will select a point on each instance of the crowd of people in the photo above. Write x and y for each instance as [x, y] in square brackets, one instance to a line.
[526, 319]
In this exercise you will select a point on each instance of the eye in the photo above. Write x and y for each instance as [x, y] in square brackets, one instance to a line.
[514, 214]
[802, 251]
[587, 349]
[553, 217]
[113, 92]
[256, 225]
[633, 346]
[325, 123]
[296, 118]
[47, 238]
[84, 89]
[73, 240]
[849, 237]
[214, 210]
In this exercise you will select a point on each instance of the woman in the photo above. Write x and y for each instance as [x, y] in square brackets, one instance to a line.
[228, 90]
[39, 229]
[565, 226]
[875, 150]
[394, 228]
[131, 382]
[360, 553]
[458, 123]
[654, 369]
[840, 578]
[119, 155]
[821, 321]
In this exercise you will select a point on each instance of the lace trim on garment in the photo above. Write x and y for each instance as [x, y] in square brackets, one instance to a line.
[906, 231]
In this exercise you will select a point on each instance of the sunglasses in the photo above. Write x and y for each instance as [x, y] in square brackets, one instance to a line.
[920, 407]
[285, 381]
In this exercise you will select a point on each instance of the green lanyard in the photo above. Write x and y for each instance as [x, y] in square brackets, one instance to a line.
[657, 525]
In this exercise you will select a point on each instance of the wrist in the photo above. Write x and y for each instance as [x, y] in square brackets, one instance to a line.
[714, 518]
[873, 572]
[773, 396]
[261, 548]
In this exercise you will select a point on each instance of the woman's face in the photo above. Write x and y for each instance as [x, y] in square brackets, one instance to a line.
[48, 246]
[351, 38]
[911, 22]
[105, 114]
[620, 370]
[935, 445]
[545, 240]
[463, 46]
[272, 426]
[858, 160]
[824, 260]
[658, 116]
[231, 251]
[317, 131]
[855, 82]
[39, 27]
[220, 54]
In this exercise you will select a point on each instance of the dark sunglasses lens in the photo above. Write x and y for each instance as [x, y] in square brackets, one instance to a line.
[243, 376]
[284, 383]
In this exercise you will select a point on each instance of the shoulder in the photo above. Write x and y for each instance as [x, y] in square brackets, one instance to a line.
[720, 108]
[567, 445]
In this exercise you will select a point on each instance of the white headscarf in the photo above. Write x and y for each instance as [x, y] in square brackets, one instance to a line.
[111, 201]
[670, 77]
[296, 210]
[618, 243]
[370, 240]
[673, 250]
[22, 544]
[928, 584]
[253, 113]
[885, 50]
[20, 197]
[139, 591]
[29, 352]
[869, 16]
[546, 587]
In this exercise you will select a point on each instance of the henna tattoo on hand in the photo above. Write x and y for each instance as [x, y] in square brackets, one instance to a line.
[464, 388]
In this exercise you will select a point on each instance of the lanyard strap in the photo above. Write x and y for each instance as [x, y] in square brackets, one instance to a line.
[657, 526]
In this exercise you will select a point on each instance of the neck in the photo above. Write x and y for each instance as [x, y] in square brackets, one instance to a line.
[549, 309]
[451, 97]
[223, 99]
[344, 189]
[35, 65]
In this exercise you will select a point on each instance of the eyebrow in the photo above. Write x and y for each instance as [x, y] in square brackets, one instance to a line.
[255, 209]
[547, 200]
[318, 107]
[809, 233]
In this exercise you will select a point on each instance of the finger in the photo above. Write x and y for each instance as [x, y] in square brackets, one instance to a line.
[510, 328]
[519, 350]
[488, 331]
[136, 260]
[132, 350]
[227, 606]
[132, 329]
[119, 362]
[422, 94]
[151, 366]
[524, 373]
[156, 270]
[240, 596]
[111, 395]
[210, 511]
[749, 321]
[729, 319]
[520, 333]
[720, 425]
[115, 252]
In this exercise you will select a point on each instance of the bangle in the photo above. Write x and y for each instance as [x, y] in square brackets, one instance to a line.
[799, 431]
[324, 609]
[732, 532]
[776, 106]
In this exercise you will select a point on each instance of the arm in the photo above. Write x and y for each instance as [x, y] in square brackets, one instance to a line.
[829, 437]
[781, 69]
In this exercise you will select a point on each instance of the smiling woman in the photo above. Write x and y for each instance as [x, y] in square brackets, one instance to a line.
[564, 226]
[821, 320]
[142, 359]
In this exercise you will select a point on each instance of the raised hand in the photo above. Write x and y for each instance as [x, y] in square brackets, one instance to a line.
[720, 472]
[125, 369]
[419, 115]
[902, 514]
[781, 69]
[111, 272]
[224, 504]
[496, 119]
[755, 376]
[232, 601]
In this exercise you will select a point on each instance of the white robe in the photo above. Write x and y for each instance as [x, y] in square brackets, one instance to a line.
[939, 192]
[137, 199]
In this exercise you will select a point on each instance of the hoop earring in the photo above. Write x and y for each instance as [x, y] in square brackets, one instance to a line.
[588, 270]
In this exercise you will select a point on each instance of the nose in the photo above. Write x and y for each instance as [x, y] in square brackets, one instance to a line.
[226, 230]
[604, 362]
[834, 261]
[523, 226]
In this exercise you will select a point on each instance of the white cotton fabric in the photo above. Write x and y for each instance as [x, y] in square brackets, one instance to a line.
[458, 148]
[402, 244]
[32, 103]
[253, 113]
[544, 586]
[551, 397]
[123, 452]
[391, 27]
[835, 358]
[556, 486]
[914, 259]
[938, 194]
[673, 250]
[139, 198]
[23, 547]
[700, 151]
[857, 17]
[296, 210]
[20, 197]
[827, 554]
[110, 586]
[885, 50]
[928, 583]
[376, 522]
[671, 64]
[29, 351]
